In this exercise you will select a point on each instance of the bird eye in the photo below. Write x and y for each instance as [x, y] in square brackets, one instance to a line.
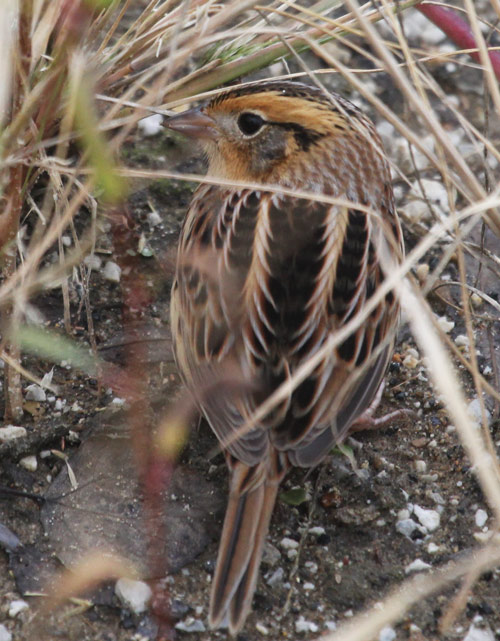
[250, 123]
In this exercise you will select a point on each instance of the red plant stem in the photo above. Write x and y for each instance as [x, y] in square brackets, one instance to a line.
[458, 31]
[155, 471]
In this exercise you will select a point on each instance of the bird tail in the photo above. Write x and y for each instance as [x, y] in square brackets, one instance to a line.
[245, 527]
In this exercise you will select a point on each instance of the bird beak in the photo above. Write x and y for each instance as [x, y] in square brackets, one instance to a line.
[194, 123]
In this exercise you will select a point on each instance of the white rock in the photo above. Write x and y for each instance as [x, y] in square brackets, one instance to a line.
[190, 625]
[302, 625]
[133, 594]
[112, 272]
[474, 411]
[416, 211]
[317, 530]
[420, 467]
[330, 625]
[93, 261]
[430, 519]
[5, 635]
[311, 566]
[445, 324]
[288, 544]
[462, 340]
[406, 527]
[151, 125]
[387, 132]
[271, 555]
[10, 432]
[35, 393]
[479, 634]
[154, 218]
[387, 634]
[421, 28]
[17, 606]
[481, 517]
[260, 627]
[422, 271]
[435, 191]
[432, 548]
[417, 566]
[308, 586]
[275, 578]
[410, 361]
[29, 463]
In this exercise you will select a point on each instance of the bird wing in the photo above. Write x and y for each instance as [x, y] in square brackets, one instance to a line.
[215, 253]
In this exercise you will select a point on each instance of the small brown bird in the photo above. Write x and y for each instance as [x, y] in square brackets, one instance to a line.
[263, 279]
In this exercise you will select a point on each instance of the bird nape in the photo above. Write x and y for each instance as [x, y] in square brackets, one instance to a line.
[265, 278]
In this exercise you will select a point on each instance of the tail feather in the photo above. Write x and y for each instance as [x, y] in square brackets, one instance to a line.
[245, 527]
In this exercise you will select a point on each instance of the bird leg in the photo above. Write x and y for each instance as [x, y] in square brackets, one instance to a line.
[366, 421]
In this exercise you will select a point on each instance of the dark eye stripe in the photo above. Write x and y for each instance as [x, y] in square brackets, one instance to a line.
[305, 137]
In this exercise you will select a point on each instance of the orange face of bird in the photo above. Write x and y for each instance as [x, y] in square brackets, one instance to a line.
[261, 136]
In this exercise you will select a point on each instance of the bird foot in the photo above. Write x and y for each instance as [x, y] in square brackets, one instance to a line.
[368, 422]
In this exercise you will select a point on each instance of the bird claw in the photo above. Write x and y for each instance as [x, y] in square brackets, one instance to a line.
[368, 422]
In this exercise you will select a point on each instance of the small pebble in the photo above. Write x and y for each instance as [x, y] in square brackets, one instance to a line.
[275, 578]
[406, 527]
[445, 324]
[311, 566]
[11, 432]
[302, 625]
[417, 566]
[420, 466]
[474, 411]
[35, 393]
[476, 300]
[432, 548]
[29, 463]
[5, 635]
[462, 340]
[133, 594]
[154, 218]
[317, 530]
[309, 586]
[151, 125]
[8, 540]
[92, 261]
[387, 634]
[17, 606]
[430, 519]
[410, 361]
[416, 211]
[260, 627]
[271, 555]
[112, 272]
[330, 625]
[288, 544]
[479, 634]
[422, 271]
[190, 625]
[481, 517]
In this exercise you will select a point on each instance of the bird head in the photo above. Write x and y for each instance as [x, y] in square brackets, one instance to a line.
[274, 132]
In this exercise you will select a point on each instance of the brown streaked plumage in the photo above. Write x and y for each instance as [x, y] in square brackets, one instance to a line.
[264, 279]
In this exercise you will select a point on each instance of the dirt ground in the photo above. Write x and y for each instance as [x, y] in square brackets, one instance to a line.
[399, 500]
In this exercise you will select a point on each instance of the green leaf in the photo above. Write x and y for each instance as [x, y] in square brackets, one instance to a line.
[295, 497]
[54, 348]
